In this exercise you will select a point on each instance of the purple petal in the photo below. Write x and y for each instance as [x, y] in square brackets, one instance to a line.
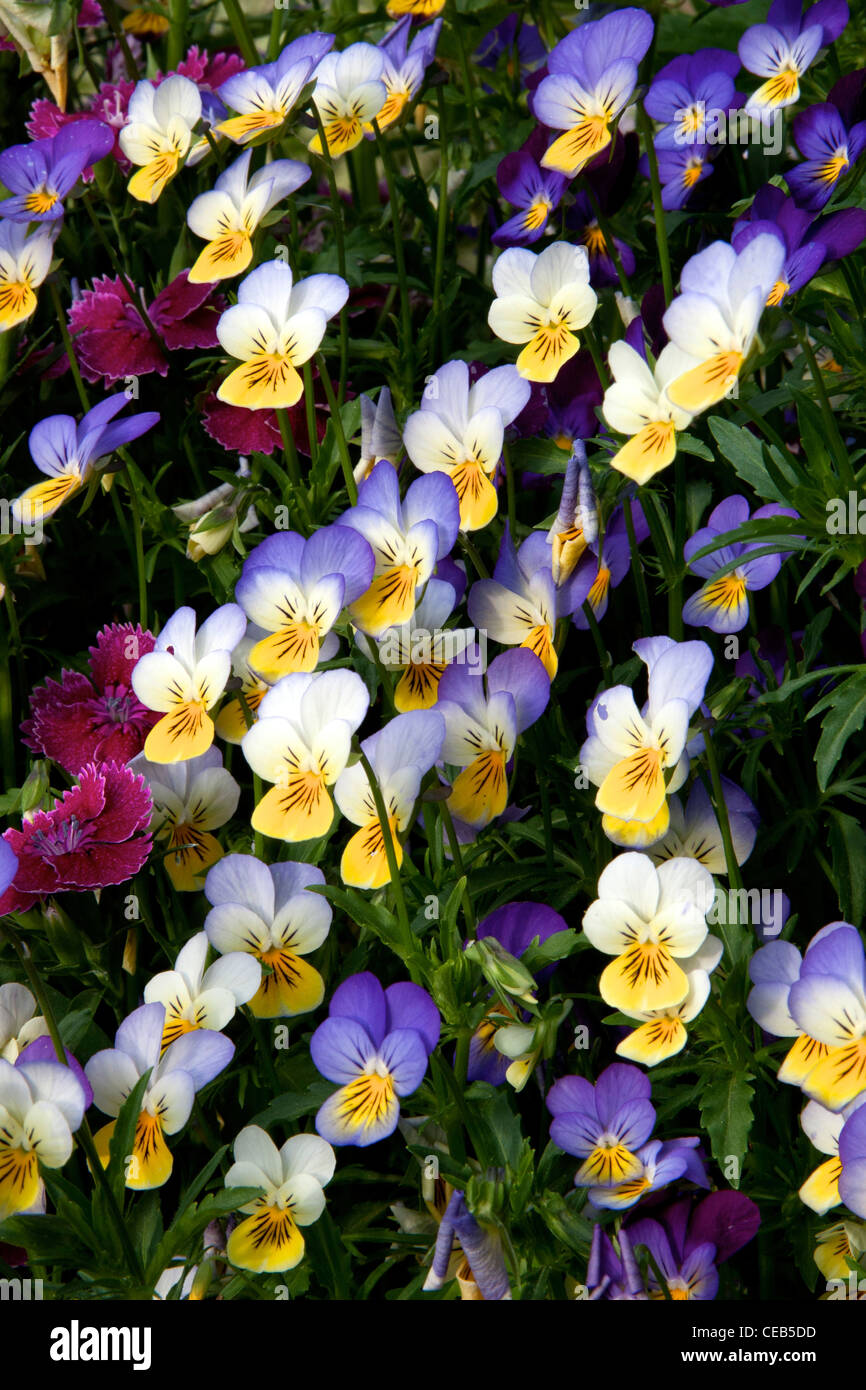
[202, 1054]
[361, 998]
[404, 1053]
[522, 675]
[341, 1049]
[338, 550]
[410, 1006]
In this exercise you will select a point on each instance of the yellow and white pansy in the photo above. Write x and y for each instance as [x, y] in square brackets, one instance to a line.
[228, 215]
[380, 435]
[194, 997]
[421, 648]
[637, 404]
[19, 1022]
[273, 329]
[662, 1032]
[460, 430]
[190, 800]
[267, 911]
[291, 1178]
[240, 708]
[301, 742]
[263, 96]
[405, 65]
[41, 1106]
[193, 1060]
[158, 133]
[183, 677]
[542, 300]
[650, 919]
[25, 260]
[822, 1127]
[348, 95]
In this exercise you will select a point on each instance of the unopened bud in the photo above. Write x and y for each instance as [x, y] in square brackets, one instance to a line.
[502, 970]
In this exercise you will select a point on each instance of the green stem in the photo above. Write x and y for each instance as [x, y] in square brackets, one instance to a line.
[407, 355]
[178, 11]
[409, 953]
[603, 653]
[241, 31]
[441, 231]
[293, 467]
[340, 234]
[734, 876]
[468, 87]
[138, 537]
[658, 211]
[342, 445]
[595, 353]
[637, 570]
[119, 33]
[457, 856]
[67, 343]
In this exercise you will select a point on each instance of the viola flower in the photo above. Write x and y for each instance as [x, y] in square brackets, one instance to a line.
[19, 1022]
[40, 175]
[301, 742]
[291, 1179]
[399, 754]
[267, 911]
[227, 216]
[535, 191]
[25, 260]
[520, 604]
[774, 970]
[158, 133]
[349, 93]
[823, 1128]
[95, 719]
[483, 717]
[518, 39]
[421, 649]
[721, 604]
[375, 1043]
[541, 300]
[695, 833]
[273, 329]
[648, 918]
[460, 430]
[686, 90]
[660, 1164]
[232, 723]
[715, 317]
[42, 1105]
[481, 1247]
[404, 68]
[662, 1032]
[830, 148]
[112, 340]
[194, 997]
[380, 435]
[593, 73]
[599, 573]
[418, 9]
[96, 835]
[610, 1274]
[688, 1241]
[183, 677]
[407, 539]
[604, 1124]
[828, 1003]
[295, 590]
[571, 402]
[190, 801]
[628, 753]
[808, 245]
[836, 1245]
[581, 219]
[575, 526]
[70, 455]
[852, 1153]
[680, 172]
[265, 95]
[782, 49]
[192, 1061]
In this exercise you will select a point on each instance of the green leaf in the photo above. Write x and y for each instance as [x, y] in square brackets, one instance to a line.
[746, 452]
[120, 1145]
[726, 1115]
[848, 848]
[845, 718]
[294, 1107]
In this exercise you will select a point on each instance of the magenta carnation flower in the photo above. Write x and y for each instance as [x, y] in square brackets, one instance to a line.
[77, 720]
[95, 836]
[210, 70]
[111, 338]
[256, 431]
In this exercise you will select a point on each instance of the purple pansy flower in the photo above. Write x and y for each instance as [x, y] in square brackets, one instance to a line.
[605, 1124]
[687, 1242]
[721, 604]
[688, 89]
[612, 1276]
[511, 34]
[40, 175]
[808, 244]
[829, 147]
[535, 191]
[375, 1042]
[782, 49]
[659, 1164]
[481, 1247]
[681, 169]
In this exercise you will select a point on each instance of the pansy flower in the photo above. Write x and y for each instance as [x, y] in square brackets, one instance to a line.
[536, 193]
[348, 95]
[680, 171]
[227, 216]
[158, 133]
[81, 719]
[380, 435]
[774, 970]
[183, 677]
[593, 73]
[520, 604]
[40, 175]
[582, 220]
[605, 1124]
[240, 707]
[782, 49]
[19, 1022]
[25, 259]
[611, 1274]
[482, 1250]
[828, 1002]
[823, 1129]
[662, 1032]
[808, 245]
[190, 800]
[263, 96]
[194, 997]
[660, 1164]
[685, 90]
[541, 300]
[301, 742]
[418, 9]
[399, 754]
[575, 526]
[483, 717]
[830, 148]
[192, 1061]
[375, 1044]
[273, 329]
[421, 648]
[694, 832]
[407, 539]
[836, 1246]
[605, 565]
[295, 589]
[96, 835]
[404, 67]
[268, 1240]
[267, 911]
[42, 1104]
[687, 1241]
[715, 317]
[70, 455]
[460, 430]
[721, 603]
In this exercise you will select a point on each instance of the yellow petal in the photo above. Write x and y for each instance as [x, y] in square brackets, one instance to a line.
[647, 452]
[703, 386]
[192, 853]
[241, 128]
[418, 686]
[820, 1191]
[43, 499]
[185, 732]
[267, 381]
[341, 135]
[480, 792]
[226, 256]
[389, 601]
[636, 834]
[19, 1179]
[803, 1057]
[17, 303]
[293, 986]
[477, 496]
[839, 1077]
[266, 1242]
[149, 182]
[634, 789]
[546, 352]
[294, 648]
[654, 1041]
[578, 146]
[231, 724]
[301, 810]
[539, 641]
[364, 863]
[644, 978]
[607, 1165]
